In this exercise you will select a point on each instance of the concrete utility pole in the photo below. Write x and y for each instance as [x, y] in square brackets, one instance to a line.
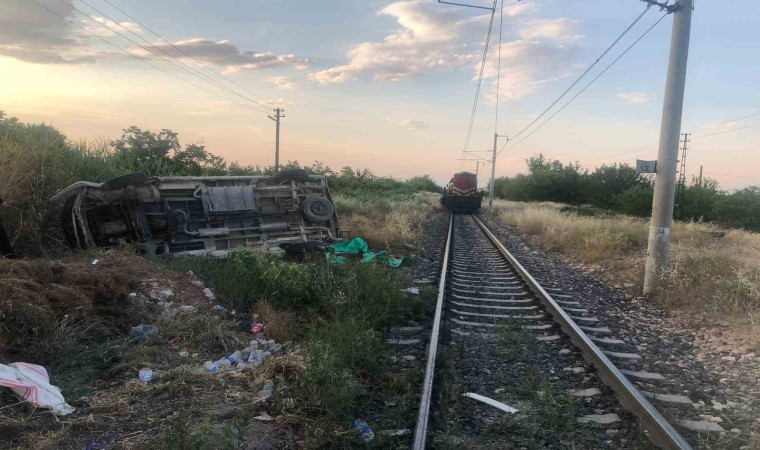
[700, 176]
[277, 116]
[658, 250]
[496, 137]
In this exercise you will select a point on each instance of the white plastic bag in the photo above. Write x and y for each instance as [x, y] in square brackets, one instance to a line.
[32, 383]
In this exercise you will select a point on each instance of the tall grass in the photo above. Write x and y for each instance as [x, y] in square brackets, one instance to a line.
[714, 273]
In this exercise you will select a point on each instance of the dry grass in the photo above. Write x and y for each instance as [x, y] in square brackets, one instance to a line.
[383, 223]
[715, 274]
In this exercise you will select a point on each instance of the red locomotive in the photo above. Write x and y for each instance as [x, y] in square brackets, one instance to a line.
[461, 195]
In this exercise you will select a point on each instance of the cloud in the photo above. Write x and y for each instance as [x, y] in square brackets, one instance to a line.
[636, 97]
[225, 54]
[282, 103]
[32, 34]
[283, 82]
[431, 38]
[721, 125]
[409, 123]
[564, 30]
[106, 27]
[427, 40]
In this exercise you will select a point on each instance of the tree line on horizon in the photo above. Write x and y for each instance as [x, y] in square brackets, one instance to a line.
[618, 187]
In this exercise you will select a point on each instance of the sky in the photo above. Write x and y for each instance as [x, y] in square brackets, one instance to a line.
[385, 85]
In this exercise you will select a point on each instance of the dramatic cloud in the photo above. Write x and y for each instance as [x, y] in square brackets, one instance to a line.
[30, 33]
[409, 123]
[636, 97]
[555, 29]
[227, 55]
[432, 38]
[428, 40]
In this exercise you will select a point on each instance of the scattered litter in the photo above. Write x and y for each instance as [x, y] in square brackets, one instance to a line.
[358, 247]
[257, 328]
[219, 309]
[367, 433]
[144, 331]
[165, 294]
[133, 294]
[176, 341]
[32, 383]
[209, 294]
[184, 353]
[412, 290]
[241, 366]
[264, 417]
[390, 403]
[213, 368]
[145, 375]
[95, 262]
[491, 402]
[265, 392]
[399, 432]
[186, 309]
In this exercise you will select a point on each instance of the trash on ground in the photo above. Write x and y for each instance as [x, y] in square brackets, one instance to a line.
[95, 262]
[358, 247]
[32, 383]
[257, 328]
[264, 417]
[213, 368]
[144, 331]
[175, 341]
[209, 294]
[184, 353]
[399, 432]
[412, 290]
[186, 309]
[366, 431]
[145, 375]
[491, 402]
[265, 392]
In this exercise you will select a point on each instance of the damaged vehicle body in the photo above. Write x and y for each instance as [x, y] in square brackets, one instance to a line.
[202, 216]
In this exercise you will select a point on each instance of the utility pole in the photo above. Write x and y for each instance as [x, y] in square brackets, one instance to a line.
[658, 250]
[700, 176]
[681, 189]
[496, 137]
[277, 116]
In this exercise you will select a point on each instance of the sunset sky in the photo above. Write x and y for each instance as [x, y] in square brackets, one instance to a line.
[385, 85]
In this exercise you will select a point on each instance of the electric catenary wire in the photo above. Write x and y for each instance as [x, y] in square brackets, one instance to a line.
[498, 67]
[585, 72]
[188, 55]
[143, 59]
[153, 48]
[153, 51]
[480, 79]
[589, 84]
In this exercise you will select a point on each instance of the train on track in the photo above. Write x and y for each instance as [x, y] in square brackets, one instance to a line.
[462, 195]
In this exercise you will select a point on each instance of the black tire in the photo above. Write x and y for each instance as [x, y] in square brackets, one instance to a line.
[126, 180]
[317, 209]
[290, 174]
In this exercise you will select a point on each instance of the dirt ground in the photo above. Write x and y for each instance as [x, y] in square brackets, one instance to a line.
[73, 317]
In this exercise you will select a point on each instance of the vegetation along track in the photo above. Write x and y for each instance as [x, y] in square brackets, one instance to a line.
[483, 291]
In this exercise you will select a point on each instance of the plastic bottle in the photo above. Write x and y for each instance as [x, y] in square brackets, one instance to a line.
[366, 431]
[184, 353]
[145, 375]
[254, 345]
[235, 357]
[224, 362]
[266, 391]
[144, 331]
[241, 366]
[275, 349]
[212, 367]
[258, 358]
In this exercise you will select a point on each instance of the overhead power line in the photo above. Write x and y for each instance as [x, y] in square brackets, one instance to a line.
[220, 75]
[728, 131]
[729, 175]
[142, 59]
[480, 78]
[585, 72]
[153, 49]
[590, 83]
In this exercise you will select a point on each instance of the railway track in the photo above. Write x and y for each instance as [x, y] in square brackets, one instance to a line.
[482, 287]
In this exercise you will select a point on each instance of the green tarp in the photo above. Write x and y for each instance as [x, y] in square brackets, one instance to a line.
[357, 247]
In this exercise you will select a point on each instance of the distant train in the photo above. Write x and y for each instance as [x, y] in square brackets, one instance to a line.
[461, 195]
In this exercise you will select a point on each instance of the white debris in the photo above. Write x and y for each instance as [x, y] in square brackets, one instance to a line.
[491, 402]
[209, 294]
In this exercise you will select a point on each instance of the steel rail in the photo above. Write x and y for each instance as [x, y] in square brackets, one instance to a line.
[661, 432]
[420, 432]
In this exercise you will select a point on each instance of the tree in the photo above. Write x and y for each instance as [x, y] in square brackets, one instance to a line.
[740, 209]
[606, 183]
